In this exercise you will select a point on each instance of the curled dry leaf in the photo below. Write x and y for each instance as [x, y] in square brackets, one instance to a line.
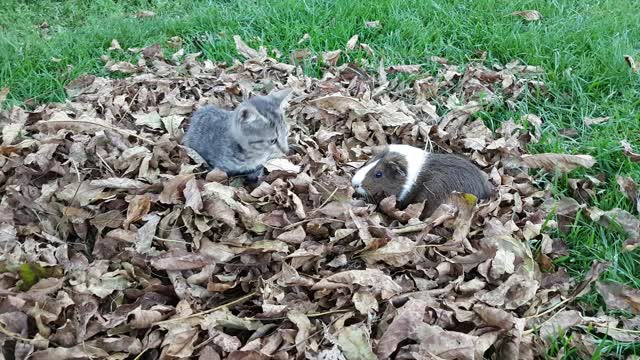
[372, 24]
[558, 162]
[629, 223]
[115, 45]
[632, 63]
[144, 14]
[351, 44]
[3, 94]
[630, 189]
[528, 15]
[374, 279]
[628, 150]
[331, 58]
[620, 297]
[282, 165]
[594, 121]
[409, 69]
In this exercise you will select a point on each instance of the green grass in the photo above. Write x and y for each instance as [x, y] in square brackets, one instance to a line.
[580, 44]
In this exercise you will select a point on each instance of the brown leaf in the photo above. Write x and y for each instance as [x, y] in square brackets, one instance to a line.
[372, 278]
[513, 293]
[282, 165]
[629, 223]
[528, 15]
[630, 189]
[144, 14]
[402, 327]
[299, 55]
[193, 198]
[173, 189]
[244, 49]
[619, 297]
[397, 252]
[138, 208]
[372, 24]
[594, 121]
[597, 268]
[632, 63]
[631, 244]
[115, 45]
[331, 58]
[354, 342]
[3, 95]
[180, 261]
[118, 183]
[559, 323]
[558, 162]
[295, 236]
[351, 44]
[628, 150]
[408, 69]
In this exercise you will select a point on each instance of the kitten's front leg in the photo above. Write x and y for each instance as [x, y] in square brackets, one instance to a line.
[254, 176]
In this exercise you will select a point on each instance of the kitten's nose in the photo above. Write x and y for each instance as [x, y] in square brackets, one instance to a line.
[284, 148]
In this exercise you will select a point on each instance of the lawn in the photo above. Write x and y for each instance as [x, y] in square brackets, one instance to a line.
[580, 44]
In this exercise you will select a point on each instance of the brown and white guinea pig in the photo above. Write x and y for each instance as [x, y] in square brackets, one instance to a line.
[414, 175]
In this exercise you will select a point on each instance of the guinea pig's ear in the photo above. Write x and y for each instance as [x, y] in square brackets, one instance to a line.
[397, 164]
[377, 150]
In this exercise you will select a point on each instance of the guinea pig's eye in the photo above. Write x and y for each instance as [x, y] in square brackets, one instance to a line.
[378, 174]
[274, 141]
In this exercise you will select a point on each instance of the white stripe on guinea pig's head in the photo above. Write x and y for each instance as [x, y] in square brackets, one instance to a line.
[415, 158]
[359, 176]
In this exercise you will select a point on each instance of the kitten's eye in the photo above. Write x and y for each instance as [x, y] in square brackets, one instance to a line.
[274, 141]
[378, 174]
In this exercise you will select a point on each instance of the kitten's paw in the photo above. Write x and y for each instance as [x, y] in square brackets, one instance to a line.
[255, 176]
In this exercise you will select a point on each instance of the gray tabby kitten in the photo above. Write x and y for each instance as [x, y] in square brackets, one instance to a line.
[239, 142]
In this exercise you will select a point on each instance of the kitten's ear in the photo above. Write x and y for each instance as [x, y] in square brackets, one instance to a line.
[246, 115]
[280, 97]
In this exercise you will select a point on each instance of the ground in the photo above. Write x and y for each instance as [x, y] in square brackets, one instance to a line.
[580, 45]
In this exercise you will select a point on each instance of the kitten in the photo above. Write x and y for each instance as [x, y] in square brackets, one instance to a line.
[239, 142]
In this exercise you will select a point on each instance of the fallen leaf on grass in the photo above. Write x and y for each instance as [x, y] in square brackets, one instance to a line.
[304, 38]
[372, 24]
[351, 44]
[408, 69]
[528, 15]
[630, 189]
[3, 94]
[619, 296]
[144, 14]
[115, 45]
[628, 150]
[560, 162]
[593, 121]
[559, 323]
[244, 49]
[330, 58]
[632, 63]
[629, 223]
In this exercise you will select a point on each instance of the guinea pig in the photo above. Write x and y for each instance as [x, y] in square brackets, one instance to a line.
[414, 175]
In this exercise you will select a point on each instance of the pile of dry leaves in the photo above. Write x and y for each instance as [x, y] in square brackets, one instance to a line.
[117, 244]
